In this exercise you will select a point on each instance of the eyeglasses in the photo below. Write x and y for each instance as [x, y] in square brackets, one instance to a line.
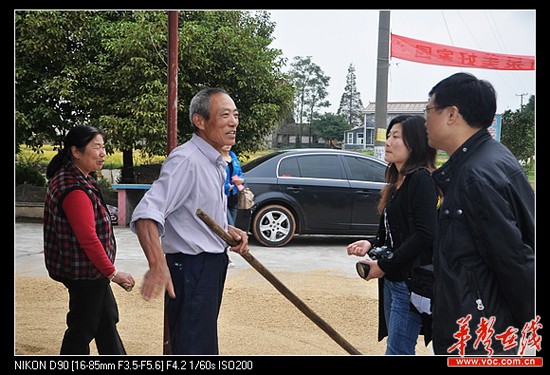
[427, 109]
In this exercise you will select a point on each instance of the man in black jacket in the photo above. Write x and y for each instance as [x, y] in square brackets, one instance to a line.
[484, 250]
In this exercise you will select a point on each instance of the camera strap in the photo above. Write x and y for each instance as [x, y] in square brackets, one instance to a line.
[387, 226]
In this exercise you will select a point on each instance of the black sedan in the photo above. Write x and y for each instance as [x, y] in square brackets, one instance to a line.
[312, 191]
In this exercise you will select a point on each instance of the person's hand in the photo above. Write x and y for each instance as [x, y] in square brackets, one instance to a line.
[375, 271]
[125, 280]
[156, 281]
[237, 180]
[241, 237]
[359, 248]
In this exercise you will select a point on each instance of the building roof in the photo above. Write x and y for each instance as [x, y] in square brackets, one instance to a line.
[399, 107]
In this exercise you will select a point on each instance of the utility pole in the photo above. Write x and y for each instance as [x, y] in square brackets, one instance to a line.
[172, 80]
[381, 106]
[173, 31]
[521, 100]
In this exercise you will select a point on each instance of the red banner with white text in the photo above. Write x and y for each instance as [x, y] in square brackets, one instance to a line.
[440, 54]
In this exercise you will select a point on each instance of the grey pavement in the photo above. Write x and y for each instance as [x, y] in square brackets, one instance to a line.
[303, 254]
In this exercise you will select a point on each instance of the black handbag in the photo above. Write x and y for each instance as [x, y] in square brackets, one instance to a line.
[421, 284]
[421, 280]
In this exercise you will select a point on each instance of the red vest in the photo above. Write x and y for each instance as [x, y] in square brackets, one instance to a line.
[64, 257]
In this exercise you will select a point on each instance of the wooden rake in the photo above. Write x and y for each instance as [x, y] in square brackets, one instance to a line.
[216, 228]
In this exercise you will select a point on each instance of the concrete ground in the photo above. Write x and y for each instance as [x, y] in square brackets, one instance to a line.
[304, 253]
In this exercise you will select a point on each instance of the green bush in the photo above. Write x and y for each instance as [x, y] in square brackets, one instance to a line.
[109, 194]
[27, 174]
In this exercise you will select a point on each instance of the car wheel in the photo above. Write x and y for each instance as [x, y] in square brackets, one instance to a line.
[273, 226]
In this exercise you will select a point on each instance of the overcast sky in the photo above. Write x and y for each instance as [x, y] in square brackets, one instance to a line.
[337, 38]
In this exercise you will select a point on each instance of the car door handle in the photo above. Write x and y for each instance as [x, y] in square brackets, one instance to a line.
[364, 192]
[294, 189]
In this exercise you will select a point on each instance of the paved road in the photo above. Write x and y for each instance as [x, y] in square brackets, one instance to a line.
[304, 253]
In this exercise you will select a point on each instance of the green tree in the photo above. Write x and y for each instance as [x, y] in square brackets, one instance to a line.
[518, 131]
[351, 106]
[52, 73]
[310, 85]
[330, 127]
[110, 69]
[131, 97]
[231, 49]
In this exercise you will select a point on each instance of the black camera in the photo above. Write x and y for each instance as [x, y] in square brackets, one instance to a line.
[375, 253]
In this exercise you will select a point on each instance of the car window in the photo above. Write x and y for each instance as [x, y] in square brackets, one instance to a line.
[311, 166]
[363, 169]
[289, 167]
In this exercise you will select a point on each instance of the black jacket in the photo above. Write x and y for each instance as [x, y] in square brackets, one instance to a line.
[412, 215]
[484, 247]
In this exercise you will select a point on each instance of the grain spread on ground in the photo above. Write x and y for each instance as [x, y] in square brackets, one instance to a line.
[255, 319]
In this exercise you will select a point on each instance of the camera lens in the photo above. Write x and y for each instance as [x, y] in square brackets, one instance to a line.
[362, 269]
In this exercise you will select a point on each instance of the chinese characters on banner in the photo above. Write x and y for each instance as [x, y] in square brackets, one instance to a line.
[440, 54]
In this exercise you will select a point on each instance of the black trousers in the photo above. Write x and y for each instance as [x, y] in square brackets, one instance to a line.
[93, 314]
[193, 315]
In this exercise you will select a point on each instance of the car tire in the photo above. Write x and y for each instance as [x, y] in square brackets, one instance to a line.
[273, 226]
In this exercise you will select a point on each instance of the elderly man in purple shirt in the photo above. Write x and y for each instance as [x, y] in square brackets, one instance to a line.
[186, 258]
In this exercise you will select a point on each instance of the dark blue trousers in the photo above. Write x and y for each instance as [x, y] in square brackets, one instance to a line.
[193, 315]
